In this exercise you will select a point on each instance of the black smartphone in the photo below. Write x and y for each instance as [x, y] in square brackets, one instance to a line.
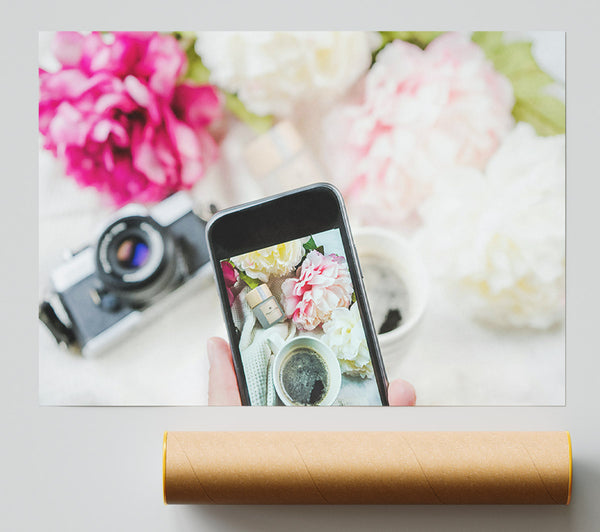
[294, 302]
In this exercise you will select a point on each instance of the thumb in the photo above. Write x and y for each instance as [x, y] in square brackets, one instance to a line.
[401, 393]
[222, 382]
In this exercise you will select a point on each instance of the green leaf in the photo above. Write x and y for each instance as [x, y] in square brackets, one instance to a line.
[261, 124]
[252, 283]
[196, 70]
[515, 60]
[487, 39]
[185, 35]
[530, 82]
[545, 113]
[420, 38]
[310, 244]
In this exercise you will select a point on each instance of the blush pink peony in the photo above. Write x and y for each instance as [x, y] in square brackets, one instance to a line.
[419, 114]
[118, 118]
[322, 285]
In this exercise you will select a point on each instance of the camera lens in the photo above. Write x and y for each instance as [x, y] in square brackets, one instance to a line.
[132, 253]
[137, 259]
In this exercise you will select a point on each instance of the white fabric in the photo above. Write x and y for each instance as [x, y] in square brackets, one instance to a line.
[257, 350]
[258, 347]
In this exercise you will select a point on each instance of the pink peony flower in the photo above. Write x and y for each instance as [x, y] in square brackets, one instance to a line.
[421, 113]
[323, 285]
[116, 117]
[231, 275]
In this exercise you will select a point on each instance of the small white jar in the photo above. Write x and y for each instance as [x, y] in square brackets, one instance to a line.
[387, 250]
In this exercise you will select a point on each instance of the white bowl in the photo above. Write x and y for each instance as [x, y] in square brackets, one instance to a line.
[333, 366]
[393, 250]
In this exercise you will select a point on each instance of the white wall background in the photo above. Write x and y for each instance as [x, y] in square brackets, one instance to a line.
[98, 469]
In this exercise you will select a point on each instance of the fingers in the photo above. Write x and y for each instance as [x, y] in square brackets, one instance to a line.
[223, 387]
[222, 383]
[401, 393]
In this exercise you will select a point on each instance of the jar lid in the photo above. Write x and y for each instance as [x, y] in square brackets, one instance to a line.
[258, 295]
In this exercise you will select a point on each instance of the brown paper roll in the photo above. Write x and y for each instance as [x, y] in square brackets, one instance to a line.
[367, 467]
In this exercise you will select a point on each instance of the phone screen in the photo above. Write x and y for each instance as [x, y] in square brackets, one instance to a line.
[298, 326]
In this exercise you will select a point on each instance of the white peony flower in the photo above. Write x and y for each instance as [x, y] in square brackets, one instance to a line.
[345, 336]
[499, 238]
[274, 260]
[273, 71]
[422, 113]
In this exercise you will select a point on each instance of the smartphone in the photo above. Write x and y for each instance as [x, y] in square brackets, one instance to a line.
[294, 302]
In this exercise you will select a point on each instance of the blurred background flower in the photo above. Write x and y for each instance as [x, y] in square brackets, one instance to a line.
[498, 237]
[117, 116]
[422, 113]
[273, 72]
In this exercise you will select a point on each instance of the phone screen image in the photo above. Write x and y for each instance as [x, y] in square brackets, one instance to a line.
[301, 337]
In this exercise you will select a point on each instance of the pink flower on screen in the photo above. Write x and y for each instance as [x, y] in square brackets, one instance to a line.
[323, 284]
[118, 118]
[231, 275]
[420, 114]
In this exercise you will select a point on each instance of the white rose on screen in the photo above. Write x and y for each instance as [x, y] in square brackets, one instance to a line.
[273, 71]
[421, 114]
[271, 261]
[345, 336]
[498, 238]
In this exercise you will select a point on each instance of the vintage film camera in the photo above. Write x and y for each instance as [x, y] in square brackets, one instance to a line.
[143, 262]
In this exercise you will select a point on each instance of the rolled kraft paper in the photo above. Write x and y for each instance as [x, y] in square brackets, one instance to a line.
[367, 467]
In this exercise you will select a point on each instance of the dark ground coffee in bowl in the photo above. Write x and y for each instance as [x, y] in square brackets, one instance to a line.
[304, 376]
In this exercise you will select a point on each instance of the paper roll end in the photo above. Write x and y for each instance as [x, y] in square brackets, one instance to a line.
[164, 467]
[570, 467]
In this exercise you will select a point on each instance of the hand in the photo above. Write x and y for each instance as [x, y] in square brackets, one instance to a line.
[223, 389]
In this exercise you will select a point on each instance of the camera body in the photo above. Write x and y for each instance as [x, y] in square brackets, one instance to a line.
[143, 262]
